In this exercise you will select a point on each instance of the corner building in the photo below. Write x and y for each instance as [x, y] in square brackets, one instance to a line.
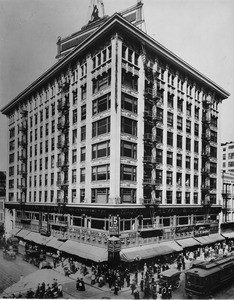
[119, 137]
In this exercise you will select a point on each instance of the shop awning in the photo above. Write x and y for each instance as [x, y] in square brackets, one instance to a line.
[210, 239]
[14, 231]
[229, 235]
[86, 251]
[149, 251]
[188, 242]
[37, 238]
[174, 246]
[23, 233]
[54, 243]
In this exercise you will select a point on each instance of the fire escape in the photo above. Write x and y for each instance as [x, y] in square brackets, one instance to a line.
[205, 187]
[150, 139]
[63, 161]
[22, 168]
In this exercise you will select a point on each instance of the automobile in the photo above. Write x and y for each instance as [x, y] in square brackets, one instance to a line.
[37, 258]
[9, 253]
[170, 277]
[14, 242]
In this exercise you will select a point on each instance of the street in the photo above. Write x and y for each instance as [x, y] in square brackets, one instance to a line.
[11, 272]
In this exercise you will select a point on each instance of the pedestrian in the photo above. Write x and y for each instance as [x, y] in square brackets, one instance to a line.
[169, 292]
[136, 294]
[82, 285]
[60, 290]
[142, 284]
[30, 294]
[133, 286]
[116, 288]
[128, 279]
[78, 284]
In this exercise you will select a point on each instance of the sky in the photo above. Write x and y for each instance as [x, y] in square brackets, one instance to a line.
[201, 32]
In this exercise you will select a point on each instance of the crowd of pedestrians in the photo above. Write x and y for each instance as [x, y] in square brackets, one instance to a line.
[43, 291]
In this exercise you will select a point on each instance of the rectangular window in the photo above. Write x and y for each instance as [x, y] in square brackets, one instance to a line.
[195, 182]
[195, 198]
[101, 172]
[129, 103]
[169, 177]
[83, 90]
[128, 126]
[82, 175]
[82, 195]
[101, 127]
[187, 180]
[73, 195]
[53, 126]
[188, 144]
[169, 119]
[159, 156]
[196, 146]
[74, 136]
[159, 177]
[170, 100]
[159, 135]
[83, 133]
[188, 109]
[100, 195]
[128, 195]
[179, 141]
[179, 178]
[195, 163]
[196, 129]
[74, 116]
[187, 197]
[188, 162]
[129, 149]
[178, 197]
[188, 126]
[179, 123]
[169, 197]
[74, 156]
[101, 82]
[101, 150]
[159, 115]
[101, 104]
[83, 112]
[129, 80]
[74, 176]
[127, 172]
[169, 158]
[180, 105]
[52, 178]
[169, 138]
[74, 97]
[179, 160]
[82, 154]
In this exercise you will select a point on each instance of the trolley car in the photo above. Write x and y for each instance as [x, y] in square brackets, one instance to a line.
[206, 277]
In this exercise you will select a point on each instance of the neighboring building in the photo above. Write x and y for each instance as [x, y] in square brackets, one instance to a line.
[228, 156]
[227, 215]
[119, 137]
[2, 201]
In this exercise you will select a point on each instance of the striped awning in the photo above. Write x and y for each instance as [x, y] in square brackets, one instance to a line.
[149, 251]
[86, 251]
[22, 233]
[210, 239]
[14, 231]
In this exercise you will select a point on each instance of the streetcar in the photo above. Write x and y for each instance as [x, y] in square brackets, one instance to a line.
[206, 277]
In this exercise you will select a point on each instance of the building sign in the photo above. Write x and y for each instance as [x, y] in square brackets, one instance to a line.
[183, 230]
[44, 231]
[114, 226]
[201, 230]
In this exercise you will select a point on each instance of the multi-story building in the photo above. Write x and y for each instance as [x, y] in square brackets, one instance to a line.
[227, 215]
[119, 137]
[228, 156]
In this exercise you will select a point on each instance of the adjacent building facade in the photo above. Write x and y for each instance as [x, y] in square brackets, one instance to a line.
[228, 156]
[119, 137]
